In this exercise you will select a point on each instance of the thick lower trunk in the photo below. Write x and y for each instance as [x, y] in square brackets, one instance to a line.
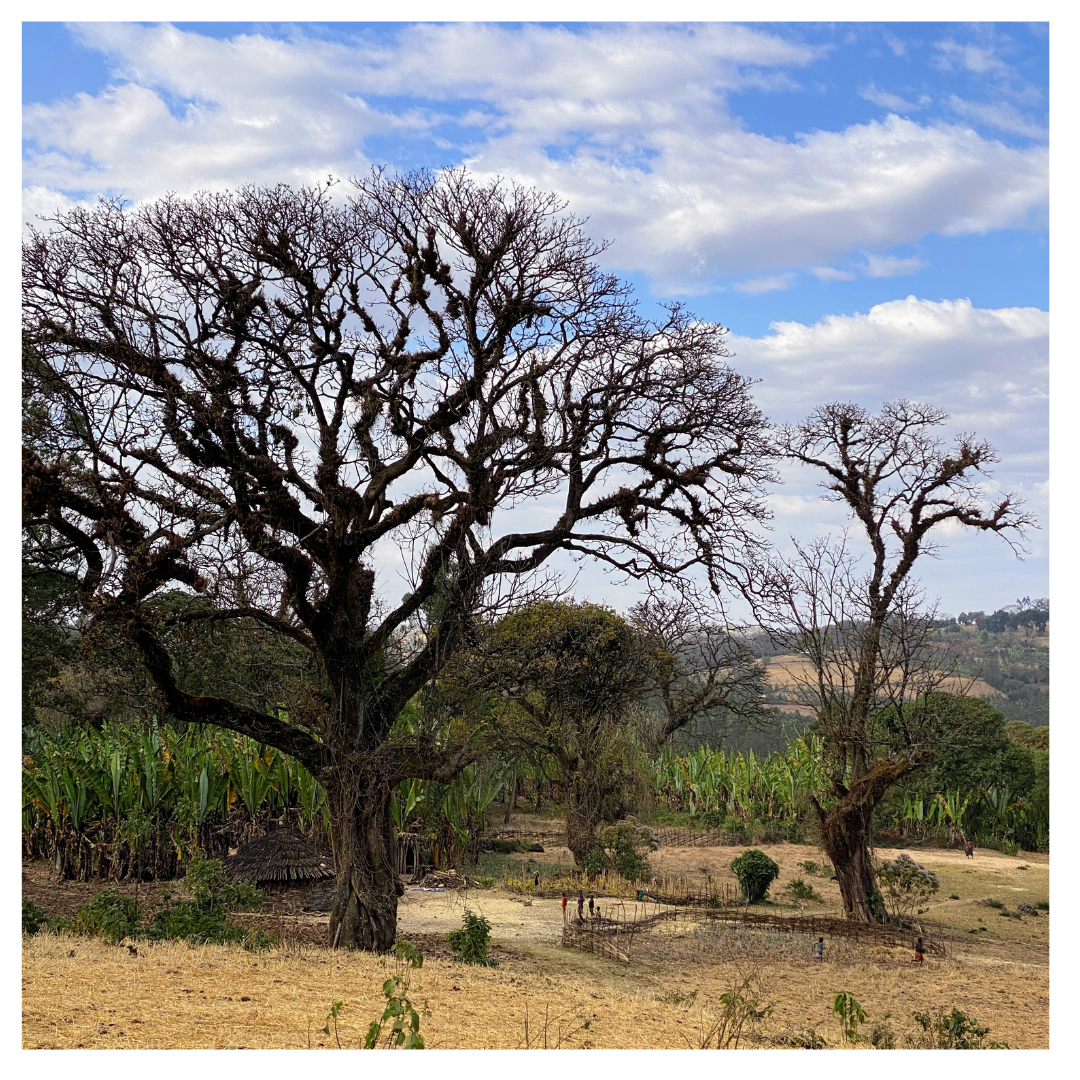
[364, 910]
[581, 823]
[845, 836]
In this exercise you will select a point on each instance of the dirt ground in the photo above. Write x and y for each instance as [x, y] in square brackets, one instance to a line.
[78, 992]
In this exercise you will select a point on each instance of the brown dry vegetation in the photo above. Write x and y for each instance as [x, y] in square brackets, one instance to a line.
[790, 673]
[78, 992]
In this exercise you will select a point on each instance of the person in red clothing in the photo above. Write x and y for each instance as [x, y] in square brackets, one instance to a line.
[919, 950]
[564, 905]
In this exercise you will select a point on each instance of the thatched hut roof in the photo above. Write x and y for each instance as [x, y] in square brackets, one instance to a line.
[284, 854]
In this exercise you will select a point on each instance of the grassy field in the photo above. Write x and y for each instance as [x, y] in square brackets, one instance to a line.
[83, 993]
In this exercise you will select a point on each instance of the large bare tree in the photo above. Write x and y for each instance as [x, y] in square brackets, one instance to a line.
[262, 396]
[855, 616]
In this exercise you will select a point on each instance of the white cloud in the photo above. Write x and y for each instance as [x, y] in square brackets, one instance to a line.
[876, 96]
[1001, 115]
[892, 266]
[979, 61]
[831, 273]
[648, 148]
[757, 286]
[988, 367]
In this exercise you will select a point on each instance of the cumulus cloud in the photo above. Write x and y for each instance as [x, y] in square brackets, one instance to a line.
[631, 123]
[988, 367]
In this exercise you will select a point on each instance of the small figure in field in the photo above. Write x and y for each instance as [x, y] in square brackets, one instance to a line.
[564, 905]
[591, 905]
[580, 904]
[969, 849]
[819, 949]
[536, 879]
[919, 951]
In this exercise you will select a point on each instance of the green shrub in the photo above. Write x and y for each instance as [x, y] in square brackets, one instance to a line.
[991, 902]
[109, 915]
[594, 862]
[755, 872]
[33, 917]
[484, 882]
[210, 888]
[809, 866]
[470, 944]
[955, 1031]
[59, 924]
[801, 891]
[1043, 905]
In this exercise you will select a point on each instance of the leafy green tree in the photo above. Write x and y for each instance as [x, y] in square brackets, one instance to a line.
[567, 676]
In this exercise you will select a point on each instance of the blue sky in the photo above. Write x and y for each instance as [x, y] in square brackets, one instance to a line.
[865, 206]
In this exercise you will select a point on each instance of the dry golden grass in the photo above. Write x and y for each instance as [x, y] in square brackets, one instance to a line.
[82, 993]
[792, 672]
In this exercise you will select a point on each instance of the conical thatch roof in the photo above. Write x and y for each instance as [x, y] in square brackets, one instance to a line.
[284, 854]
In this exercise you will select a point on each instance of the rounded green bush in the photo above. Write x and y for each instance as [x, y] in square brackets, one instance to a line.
[756, 872]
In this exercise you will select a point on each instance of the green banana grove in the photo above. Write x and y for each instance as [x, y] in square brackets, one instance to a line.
[122, 801]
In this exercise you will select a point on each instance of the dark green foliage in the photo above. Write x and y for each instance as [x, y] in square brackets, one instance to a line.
[471, 942]
[755, 872]
[799, 890]
[109, 915]
[955, 1031]
[1042, 905]
[623, 842]
[204, 918]
[594, 862]
[994, 903]
[33, 917]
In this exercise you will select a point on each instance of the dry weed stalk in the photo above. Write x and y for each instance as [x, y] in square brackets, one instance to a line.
[741, 1011]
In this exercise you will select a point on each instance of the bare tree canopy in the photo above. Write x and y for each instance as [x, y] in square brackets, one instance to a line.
[860, 623]
[254, 395]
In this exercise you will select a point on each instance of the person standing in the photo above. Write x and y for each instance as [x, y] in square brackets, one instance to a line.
[536, 879]
[580, 904]
[591, 905]
[564, 906]
[969, 850]
[819, 949]
[920, 949]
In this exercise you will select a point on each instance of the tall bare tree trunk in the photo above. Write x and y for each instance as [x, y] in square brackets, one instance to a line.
[364, 909]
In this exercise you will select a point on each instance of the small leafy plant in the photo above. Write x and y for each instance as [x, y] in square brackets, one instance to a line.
[33, 917]
[400, 1013]
[809, 866]
[799, 890]
[991, 902]
[108, 915]
[755, 872]
[850, 1014]
[741, 1010]
[954, 1031]
[471, 943]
